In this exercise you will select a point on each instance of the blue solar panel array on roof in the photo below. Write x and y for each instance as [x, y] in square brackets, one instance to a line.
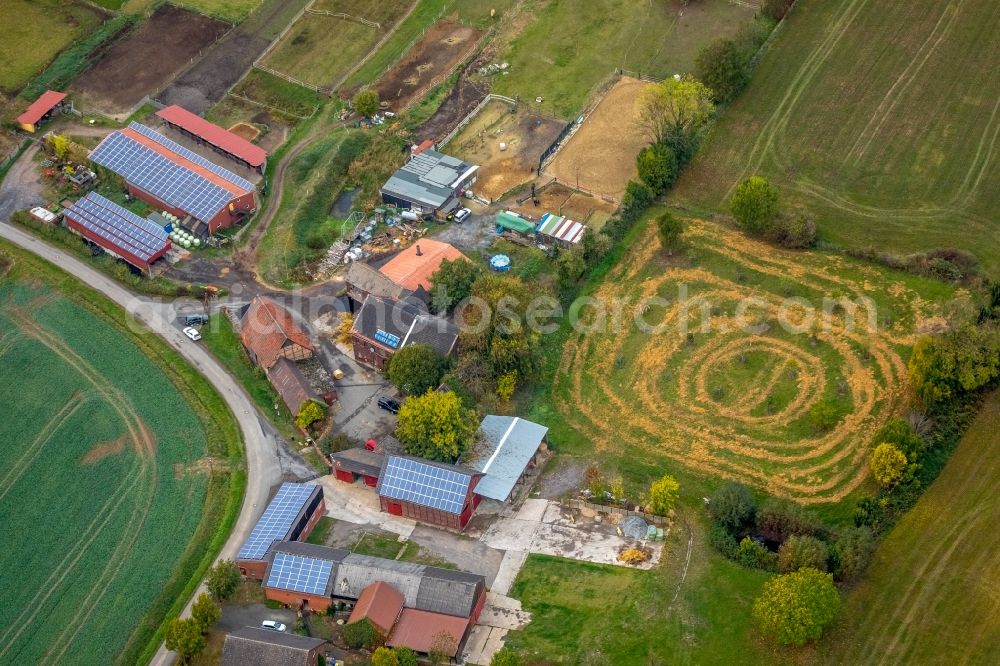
[175, 147]
[421, 483]
[277, 521]
[119, 226]
[298, 573]
[388, 339]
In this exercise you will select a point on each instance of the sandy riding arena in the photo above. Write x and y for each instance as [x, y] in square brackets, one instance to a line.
[600, 156]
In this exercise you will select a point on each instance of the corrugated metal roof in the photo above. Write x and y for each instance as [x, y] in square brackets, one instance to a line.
[40, 107]
[215, 135]
[251, 645]
[426, 179]
[505, 448]
[561, 228]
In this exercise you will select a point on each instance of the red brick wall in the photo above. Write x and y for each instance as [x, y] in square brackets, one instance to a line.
[253, 569]
[363, 352]
[295, 599]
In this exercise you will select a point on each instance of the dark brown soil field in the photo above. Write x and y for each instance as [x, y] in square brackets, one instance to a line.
[462, 99]
[147, 59]
[428, 63]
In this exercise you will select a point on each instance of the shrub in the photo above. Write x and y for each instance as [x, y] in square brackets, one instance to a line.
[823, 416]
[669, 229]
[406, 657]
[851, 552]
[732, 506]
[723, 541]
[724, 66]
[362, 634]
[951, 365]
[755, 205]
[663, 495]
[366, 102]
[384, 656]
[570, 266]
[776, 9]
[794, 608]
[802, 551]
[658, 167]
[505, 657]
[779, 519]
[887, 464]
[310, 412]
[795, 231]
[752, 553]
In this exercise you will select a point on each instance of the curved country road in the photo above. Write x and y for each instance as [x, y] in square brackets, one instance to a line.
[263, 467]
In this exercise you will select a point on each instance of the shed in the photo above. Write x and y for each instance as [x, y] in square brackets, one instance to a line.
[381, 604]
[269, 332]
[290, 384]
[514, 222]
[561, 229]
[251, 645]
[39, 110]
[507, 447]
[350, 464]
[428, 491]
[225, 141]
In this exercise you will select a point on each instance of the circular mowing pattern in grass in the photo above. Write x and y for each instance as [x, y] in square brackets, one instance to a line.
[736, 392]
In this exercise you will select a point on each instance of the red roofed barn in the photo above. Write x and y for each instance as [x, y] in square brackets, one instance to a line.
[39, 110]
[223, 140]
[381, 604]
[269, 332]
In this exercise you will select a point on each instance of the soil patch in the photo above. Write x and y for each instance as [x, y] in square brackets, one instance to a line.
[104, 449]
[562, 200]
[426, 64]
[523, 136]
[460, 102]
[147, 59]
[600, 155]
[245, 130]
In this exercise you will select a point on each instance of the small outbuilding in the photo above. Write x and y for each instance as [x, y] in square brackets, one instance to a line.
[40, 110]
[251, 645]
[379, 603]
[269, 332]
[290, 384]
[430, 492]
[506, 449]
[511, 221]
[561, 229]
[351, 464]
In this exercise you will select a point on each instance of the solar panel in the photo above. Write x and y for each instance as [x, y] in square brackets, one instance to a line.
[277, 520]
[122, 228]
[424, 484]
[299, 574]
[388, 339]
[192, 156]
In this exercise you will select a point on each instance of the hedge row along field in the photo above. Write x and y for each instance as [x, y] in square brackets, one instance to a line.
[116, 483]
[718, 383]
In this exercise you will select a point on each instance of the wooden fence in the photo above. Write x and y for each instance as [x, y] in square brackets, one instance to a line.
[472, 114]
[346, 17]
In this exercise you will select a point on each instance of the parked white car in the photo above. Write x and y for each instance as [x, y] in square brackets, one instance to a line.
[272, 625]
[462, 214]
[192, 333]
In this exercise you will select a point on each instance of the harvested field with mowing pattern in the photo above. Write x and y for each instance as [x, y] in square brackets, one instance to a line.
[142, 63]
[724, 354]
[600, 156]
[436, 55]
[525, 138]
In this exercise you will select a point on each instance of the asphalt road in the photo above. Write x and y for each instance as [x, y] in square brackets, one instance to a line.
[263, 467]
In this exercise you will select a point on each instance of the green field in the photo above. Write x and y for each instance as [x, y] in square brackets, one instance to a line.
[881, 119]
[736, 398]
[569, 48]
[34, 31]
[321, 49]
[233, 11]
[116, 475]
[930, 595]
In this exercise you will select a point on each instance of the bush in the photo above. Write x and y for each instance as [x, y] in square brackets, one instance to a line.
[794, 608]
[406, 657]
[723, 541]
[658, 167]
[755, 205]
[663, 495]
[570, 266]
[779, 519]
[452, 283]
[795, 231]
[669, 229]
[851, 552]
[888, 464]
[505, 657]
[366, 102]
[384, 656]
[949, 366]
[823, 416]
[732, 506]
[752, 553]
[802, 551]
[310, 412]
[776, 9]
[362, 634]
[724, 66]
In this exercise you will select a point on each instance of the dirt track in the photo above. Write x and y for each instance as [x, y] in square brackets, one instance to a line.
[600, 156]
[443, 46]
[225, 63]
[143, 62]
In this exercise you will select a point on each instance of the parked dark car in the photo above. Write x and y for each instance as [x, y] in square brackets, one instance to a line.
[389, 405]
[196, 320]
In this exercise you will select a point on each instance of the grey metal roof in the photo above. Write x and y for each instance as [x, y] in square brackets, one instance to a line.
[426, 179]
[406, 322]
[505, 446]
[359, 461]
[372, 281]
[251, 645]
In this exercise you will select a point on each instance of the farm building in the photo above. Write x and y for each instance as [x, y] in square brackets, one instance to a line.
[118, 231]
[422, 632]
[383, 327]
[560, 229]
[269, 332]
[300, 574]
[412, 267]
[167, 175]
[428, 491]
[511, 221]
[41, 110]
[364, 280]
[506, 449]
[290, 384]
[353, 463]
[252, 645]
[289, 516]
[222, 140]
[431, 182]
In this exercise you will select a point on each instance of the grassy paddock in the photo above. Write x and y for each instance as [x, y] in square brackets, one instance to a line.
[182, 508]
[233, 11]
[35, 31]
[889, 147]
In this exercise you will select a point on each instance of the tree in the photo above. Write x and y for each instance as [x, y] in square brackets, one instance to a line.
[779, 519]
[415, 369]
[184, 637]
[570, 266]
[436, 426]
[310, 412]
[802, 551]
[823, 416]
[384, 656]
[732, 506]
[851, 552]
[794, 608]
[366, 102]
[663, 495]
[223, 579]
[205, 612]
[505, 657]
[60, 145]
[950, 365]
[406, 657]
[669, 228]
[362, 634]
[888, 464]
[755, 204]
[344, 329]
[452, 283]
[675, 107]
[658, 167]
[723, 66]
[496, 326]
